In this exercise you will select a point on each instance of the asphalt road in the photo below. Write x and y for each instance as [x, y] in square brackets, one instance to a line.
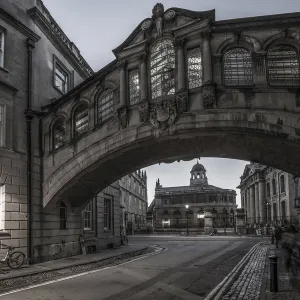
[188, 269]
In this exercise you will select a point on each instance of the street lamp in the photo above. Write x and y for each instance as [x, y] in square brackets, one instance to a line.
[187, 219]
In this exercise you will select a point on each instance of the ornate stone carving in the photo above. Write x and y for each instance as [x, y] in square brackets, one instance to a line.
[144, 112]
[209, 95]
[163, 115]
[157, 15]
[182, 102]
[123, 116]
[205, 34]
[169, 14]
[121, 64]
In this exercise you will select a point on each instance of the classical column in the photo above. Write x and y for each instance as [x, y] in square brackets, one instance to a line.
[262, 211]
[252, 203]
[206, 51]
[144, 85]
[257, 212]
[123, 94]
[248, 205]
[178, 45]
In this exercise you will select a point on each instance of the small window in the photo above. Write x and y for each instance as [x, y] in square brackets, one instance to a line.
[63, 215]
[268, 190]
[107, 214]
[283, 66]
[88, 216]
[134, 86]
[282, 184]
[2, 48]
[59, 134]
[61, 78]
[237, 67]
[105, 105]
[194, 68]
[274, 186]
[81, 119]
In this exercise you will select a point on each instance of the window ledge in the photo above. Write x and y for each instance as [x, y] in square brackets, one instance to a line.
[4, 70]
[59, 90]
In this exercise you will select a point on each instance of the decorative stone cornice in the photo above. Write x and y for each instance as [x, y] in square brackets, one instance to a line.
[45, 21]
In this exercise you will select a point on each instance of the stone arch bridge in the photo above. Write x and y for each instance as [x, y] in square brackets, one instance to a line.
[182, 86]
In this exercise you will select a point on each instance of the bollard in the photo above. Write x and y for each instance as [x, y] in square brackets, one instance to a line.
[273, 273]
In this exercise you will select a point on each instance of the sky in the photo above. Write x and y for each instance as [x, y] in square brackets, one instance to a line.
[99, 26]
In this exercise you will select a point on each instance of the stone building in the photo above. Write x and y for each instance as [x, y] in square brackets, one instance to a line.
[204, 201]
[267, 195]
[134, 201]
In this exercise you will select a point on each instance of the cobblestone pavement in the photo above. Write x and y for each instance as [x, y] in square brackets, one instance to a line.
[248, 285]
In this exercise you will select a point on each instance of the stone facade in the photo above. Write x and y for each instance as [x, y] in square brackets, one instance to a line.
[134, 201]
[267, 195]
[207, 205]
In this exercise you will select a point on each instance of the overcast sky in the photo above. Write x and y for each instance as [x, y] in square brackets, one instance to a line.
[98, 26]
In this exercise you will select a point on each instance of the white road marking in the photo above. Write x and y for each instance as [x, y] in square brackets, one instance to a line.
[78, 275]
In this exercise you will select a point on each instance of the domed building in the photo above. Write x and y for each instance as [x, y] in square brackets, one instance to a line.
[199, 206]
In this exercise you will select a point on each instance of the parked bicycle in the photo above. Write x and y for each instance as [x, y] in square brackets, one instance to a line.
[14, 259]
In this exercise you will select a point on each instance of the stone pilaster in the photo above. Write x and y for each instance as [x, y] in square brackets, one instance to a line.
[252, 203]
[257, 203]
[207, 66]
[144, 85]
[181, 74]
[123, 94]
[262, 210]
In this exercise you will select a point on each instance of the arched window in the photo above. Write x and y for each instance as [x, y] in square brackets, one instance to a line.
[194, 67]
[282, 184]
[237, 67]
[105, 105]
[59, 133]
[63, 215]
[162, 68]
[268, 190]
[283, 66]
[274, 186]
[81, 119]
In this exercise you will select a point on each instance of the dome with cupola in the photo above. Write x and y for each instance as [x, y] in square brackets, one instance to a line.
[198, 174]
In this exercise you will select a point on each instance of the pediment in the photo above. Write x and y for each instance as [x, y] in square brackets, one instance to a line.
[162, 22]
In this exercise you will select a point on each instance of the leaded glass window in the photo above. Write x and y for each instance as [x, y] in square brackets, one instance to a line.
[194, 68]
[237, 67]
[283, 66]
[162, 68]
[59, 134]
[81, 119]
[134, 86]
[105, 105]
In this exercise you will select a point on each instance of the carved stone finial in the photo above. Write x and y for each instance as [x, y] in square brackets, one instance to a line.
[158, 11]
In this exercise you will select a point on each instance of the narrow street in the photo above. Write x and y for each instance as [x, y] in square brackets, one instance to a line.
[188, 268]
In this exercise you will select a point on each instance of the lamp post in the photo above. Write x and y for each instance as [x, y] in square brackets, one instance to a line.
[187, 219]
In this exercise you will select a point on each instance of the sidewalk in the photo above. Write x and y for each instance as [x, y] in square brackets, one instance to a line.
[63, 267]
[285, 289]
